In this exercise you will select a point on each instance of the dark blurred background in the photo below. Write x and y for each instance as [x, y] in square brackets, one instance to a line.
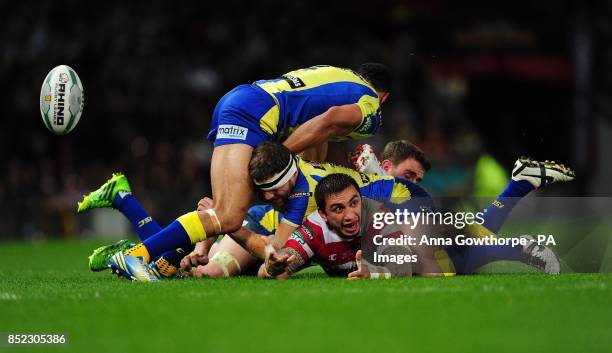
[477, 84]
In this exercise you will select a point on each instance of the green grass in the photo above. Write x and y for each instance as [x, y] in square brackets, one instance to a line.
[47, 288]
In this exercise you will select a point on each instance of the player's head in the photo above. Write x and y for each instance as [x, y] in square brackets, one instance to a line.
[339, 203]
[274, 172]
[402, 159]
[379, 76]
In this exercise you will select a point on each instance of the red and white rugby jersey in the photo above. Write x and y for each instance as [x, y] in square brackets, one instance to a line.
[316, 242]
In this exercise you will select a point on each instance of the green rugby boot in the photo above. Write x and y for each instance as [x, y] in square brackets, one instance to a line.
[105, 194]
[98, 260]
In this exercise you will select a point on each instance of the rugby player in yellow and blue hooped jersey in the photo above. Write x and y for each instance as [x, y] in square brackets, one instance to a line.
[308, 107]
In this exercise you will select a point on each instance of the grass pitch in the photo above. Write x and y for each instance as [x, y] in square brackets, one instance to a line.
[47, 287]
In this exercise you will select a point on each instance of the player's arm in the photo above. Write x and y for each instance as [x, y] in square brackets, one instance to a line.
[295, 255]
[282, 234]
[296, 208]
[290, 263]
[256, 244]
[336, 121]
[316, 153]
[259, 245]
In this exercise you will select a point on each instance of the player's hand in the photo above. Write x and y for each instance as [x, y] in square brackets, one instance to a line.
[276, 264]
[205, 204]
[199, 256]
[359, 273]
[361, 160]
[192, 261]
[355, 155]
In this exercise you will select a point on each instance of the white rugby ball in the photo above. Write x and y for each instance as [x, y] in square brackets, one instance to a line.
[61, 100]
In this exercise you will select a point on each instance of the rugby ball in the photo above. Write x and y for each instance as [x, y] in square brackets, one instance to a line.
[61, 100]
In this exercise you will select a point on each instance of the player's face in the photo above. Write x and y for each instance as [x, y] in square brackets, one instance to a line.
[343, 212]
[409, 169]
[278, 197]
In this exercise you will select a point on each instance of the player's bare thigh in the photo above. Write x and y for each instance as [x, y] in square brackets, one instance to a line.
[231, 185]
[227, 258]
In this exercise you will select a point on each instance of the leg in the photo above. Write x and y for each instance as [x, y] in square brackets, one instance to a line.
[231, 186]
[496, 214]
[527, 175]
[116, 193]
[144, 225]
[232, 193]
[168, 263]
[468, 259]
[226, 260]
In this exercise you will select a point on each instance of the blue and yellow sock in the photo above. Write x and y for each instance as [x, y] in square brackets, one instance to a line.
[182, 233]
[144, 225]
[175, 256]
[495, 215]
[168, 263]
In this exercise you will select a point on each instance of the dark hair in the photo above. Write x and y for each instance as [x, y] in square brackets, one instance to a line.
[268, 159]
[377, 75]
[399, 151]
[333, 184]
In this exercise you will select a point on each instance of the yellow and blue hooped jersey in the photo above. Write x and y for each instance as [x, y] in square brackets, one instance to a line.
[306, 93]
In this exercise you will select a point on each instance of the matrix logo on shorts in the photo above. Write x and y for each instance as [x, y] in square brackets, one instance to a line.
[232, 132]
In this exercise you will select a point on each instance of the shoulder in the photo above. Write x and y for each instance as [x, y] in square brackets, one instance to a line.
[315, 227]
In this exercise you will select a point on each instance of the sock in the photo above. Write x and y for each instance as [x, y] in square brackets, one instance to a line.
[164, 268]
[168, 263]
[477, 256]
[139, 250]
[495, 215]
[517, 189]
[143, 224]
[175, 256]
[182, 233]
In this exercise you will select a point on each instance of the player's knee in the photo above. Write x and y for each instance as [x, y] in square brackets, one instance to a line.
[227, 263]
[220, 221]
[230, 222]
[228, 219]
[231, 226]
[222, 264]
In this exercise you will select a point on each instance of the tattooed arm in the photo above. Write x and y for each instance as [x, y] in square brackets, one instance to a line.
[293, 263]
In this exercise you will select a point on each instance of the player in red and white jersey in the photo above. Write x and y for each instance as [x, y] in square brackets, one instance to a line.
[332, 236]
[335, 253]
